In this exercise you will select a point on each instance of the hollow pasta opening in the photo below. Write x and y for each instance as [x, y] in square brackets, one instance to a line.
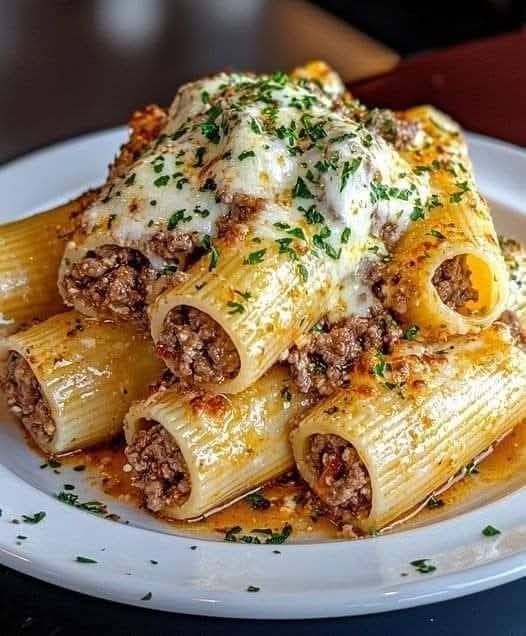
[196, 348]
[111, 282]
[158, 467]
[339, 477]
[26, 400]
[465, 284]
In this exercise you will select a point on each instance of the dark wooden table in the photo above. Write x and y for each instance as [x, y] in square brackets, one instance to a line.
[72, 67]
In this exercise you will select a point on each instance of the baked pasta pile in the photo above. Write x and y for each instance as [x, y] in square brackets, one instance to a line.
[272, 277]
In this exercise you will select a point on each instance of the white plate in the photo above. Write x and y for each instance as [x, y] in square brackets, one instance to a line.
[302, 581]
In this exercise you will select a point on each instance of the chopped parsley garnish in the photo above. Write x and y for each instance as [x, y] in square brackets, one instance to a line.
[255, 257]
[303, 272]
[255, 126]
[236, 308]
[312, 215]
[33, 519]
[423, 566]
[161, 181]
[297, 232]
[381, 367]
[147, 597]
[150, 223]
[230, 535]
[205, 97]
[245, 154]
[257, 501]
[51, 463]
[245, 295]
[433, 503]
[209, 184]
[277, 538]
[177, 217]
[95, 507]
[253, 588]
[209, 247]
[179, 133]
[437, 235]
[349, 168]
[346, 235]
[199, 156]
[286, 394]
[490, 531]
[411, 332]
[83, 559]
[130, 180]
[301, 190]
[202, 213]
[417, 213]
[472, 469]
[209, 128]
[167, 270]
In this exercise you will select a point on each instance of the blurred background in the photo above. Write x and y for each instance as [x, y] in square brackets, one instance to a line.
[73, 66]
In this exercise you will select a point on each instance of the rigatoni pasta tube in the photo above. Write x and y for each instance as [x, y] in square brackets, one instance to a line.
[190, 454]
[447, 274]
[375, 451]
[30, 253]
[256, 301]
[71, 380]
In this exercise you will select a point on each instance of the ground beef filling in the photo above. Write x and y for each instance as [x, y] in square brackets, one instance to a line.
[510, 318]
[111, 280]
[196, 348]
[158, 468]
[342, 480]
[325, 362]
[452, 281]
[25, 398]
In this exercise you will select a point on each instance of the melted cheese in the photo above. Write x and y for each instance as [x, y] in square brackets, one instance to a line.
[285, 141]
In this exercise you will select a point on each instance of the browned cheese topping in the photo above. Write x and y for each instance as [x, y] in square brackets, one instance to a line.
[111, 280]
[25, 398]
[452, 281]
[326, 361]
[342, 480]
[197, 349]
[145, 126]
[158, 468]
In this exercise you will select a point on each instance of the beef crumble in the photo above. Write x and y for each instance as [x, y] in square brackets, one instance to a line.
[111, 280]
[452, 280]
[325, 362]
[158, 468]
[171, 244]
[196, 348]
[232, 226]
[341, 479]
[25, 399]
[510, 318]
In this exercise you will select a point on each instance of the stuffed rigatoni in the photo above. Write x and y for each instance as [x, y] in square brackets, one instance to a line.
[190, 454]
[71, 380]
[373, 452]
[248, 218]
[447, 274]
[30, 254]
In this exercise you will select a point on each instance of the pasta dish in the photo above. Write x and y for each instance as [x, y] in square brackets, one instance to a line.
[273, 278]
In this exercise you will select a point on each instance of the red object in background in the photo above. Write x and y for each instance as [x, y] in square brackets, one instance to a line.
[480, 84]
